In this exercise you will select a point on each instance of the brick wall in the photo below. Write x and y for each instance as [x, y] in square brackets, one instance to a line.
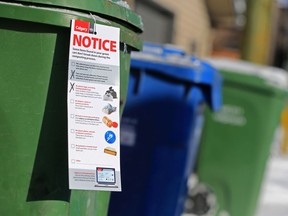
[192, 30]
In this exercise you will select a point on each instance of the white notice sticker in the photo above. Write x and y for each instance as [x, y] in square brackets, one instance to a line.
[93, 107]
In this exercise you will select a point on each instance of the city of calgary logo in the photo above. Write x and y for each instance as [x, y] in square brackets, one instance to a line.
[81, 26]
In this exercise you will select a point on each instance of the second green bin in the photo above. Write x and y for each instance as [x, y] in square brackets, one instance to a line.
[236, 141]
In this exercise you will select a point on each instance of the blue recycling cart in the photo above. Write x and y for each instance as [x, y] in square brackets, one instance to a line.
[160, 129]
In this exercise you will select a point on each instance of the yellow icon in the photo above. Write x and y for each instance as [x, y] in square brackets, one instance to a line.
[111, 151]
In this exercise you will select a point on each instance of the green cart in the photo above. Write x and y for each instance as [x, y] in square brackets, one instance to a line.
[34, 48]
[236, 141]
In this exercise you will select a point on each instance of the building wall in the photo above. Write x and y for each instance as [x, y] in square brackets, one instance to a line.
[192, 30]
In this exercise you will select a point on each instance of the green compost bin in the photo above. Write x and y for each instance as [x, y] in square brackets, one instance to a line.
[34, 48]
[236, 141]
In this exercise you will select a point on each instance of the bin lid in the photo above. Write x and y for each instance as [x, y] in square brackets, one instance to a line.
[251, 74]
[172, 61]
[56, 12]
[114, 8]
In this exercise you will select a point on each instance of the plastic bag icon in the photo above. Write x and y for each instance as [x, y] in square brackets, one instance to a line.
[108, 109]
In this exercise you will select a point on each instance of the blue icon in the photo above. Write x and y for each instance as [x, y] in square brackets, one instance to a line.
[110, 137]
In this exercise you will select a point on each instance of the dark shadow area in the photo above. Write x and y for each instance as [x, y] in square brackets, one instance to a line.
[49, 179]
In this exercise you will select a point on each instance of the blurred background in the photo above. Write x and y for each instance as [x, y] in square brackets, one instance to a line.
[253, 30]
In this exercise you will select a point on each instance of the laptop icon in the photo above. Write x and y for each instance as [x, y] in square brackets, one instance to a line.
[105, 177]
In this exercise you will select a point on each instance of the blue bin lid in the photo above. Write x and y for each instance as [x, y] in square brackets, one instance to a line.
[174, 62]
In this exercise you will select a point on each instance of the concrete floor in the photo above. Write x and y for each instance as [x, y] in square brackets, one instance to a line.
[274, 195]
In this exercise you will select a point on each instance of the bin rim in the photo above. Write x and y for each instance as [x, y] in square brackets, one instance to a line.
[272, 77]
[167, 59]
[62, 17]
[114, 9]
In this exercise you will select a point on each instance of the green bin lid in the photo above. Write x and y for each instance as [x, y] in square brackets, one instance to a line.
[59, 13]
[251, 74]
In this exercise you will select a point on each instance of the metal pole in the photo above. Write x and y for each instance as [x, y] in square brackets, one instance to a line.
[257, 35]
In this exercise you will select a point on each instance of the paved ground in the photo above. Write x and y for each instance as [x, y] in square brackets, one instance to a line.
[274, 195]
